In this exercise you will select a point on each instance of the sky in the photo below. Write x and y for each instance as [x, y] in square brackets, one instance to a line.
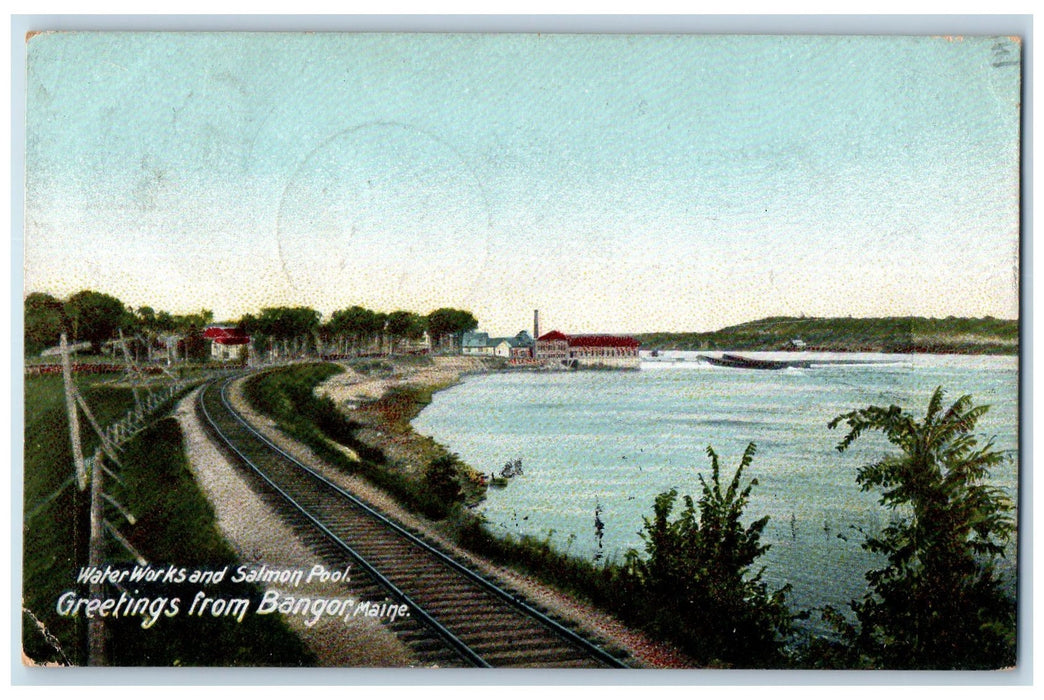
[617, 183]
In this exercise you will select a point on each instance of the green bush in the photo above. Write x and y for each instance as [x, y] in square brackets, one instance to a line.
[696, 582]
[443, 480]
[939, 601]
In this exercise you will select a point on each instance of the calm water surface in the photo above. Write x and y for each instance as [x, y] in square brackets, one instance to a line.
[610, 441]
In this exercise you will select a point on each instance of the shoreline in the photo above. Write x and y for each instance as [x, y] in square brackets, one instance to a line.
[353, 389]
[389, 392]
[384, 398]
[383, 395]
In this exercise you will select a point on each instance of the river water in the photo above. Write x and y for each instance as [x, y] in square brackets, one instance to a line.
[606, 443]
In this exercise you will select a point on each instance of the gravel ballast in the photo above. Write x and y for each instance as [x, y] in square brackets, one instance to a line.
[259, 536]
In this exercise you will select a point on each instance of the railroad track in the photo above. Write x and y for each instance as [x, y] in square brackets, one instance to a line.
[457, 617]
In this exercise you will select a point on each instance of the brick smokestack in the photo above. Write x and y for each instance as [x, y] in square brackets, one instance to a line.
[536, 323]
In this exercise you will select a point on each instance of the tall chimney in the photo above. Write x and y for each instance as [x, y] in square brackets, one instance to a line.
[536, 330]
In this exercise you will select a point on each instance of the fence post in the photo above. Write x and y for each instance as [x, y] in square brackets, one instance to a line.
[74, 417]
[131, 370]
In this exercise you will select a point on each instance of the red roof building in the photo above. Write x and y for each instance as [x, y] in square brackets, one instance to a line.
[559, 346]
[602, 341]
[552, 346]
[226, 335]
[227, 342]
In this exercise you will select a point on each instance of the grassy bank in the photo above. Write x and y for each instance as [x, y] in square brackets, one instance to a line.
[288, 395]
[54, 534]
[385, 425]
[175, 525]
[603, 584]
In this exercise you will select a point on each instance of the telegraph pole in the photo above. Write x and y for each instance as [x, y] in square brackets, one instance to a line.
[95, 558]
[95, 626]
[94, 468]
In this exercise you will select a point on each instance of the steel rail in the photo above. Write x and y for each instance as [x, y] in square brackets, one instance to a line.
[455, 642]
[516, 602]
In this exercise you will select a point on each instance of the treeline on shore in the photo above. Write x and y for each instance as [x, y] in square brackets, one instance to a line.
[97, 318]
[897, 334]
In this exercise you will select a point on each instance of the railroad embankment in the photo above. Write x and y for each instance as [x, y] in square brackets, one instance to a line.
[380, 397]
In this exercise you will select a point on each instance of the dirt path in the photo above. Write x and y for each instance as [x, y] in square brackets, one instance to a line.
[259, 536]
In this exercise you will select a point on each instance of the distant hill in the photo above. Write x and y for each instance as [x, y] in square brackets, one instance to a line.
[973, 336]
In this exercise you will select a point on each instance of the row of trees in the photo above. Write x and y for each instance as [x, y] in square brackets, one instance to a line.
[94, 317]
[937, 602]
[357, 329]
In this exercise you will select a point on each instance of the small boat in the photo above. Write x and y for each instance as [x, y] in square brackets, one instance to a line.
[739, 362]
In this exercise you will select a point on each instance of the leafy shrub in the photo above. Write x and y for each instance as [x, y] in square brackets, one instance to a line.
[696, 581]
[442, 478]
[939, 602]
